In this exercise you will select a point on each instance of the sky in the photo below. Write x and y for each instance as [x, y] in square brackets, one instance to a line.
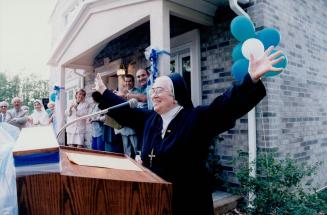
[25, 34]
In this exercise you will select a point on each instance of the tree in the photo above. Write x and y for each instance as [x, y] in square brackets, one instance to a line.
[280, 187]
[28, 88]
[3, 87]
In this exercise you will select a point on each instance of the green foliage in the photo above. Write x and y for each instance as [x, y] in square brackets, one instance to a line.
[279, 187]
[28, 88]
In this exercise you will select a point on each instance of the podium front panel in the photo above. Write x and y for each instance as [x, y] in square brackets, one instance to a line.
[93, 190]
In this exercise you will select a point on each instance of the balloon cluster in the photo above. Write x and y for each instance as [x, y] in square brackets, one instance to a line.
[254, 43]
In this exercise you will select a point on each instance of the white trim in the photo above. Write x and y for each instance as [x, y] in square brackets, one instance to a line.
[160, 34]
[79, 66]
[87, 11]
[180, 51]
[181, 47]
[189, 14]
[109, 69]
[191, 40]
[75, 47]
[198, 5]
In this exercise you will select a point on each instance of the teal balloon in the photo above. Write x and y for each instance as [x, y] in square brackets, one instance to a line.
[281, 64]
[269, 37]
[237, 52]
[240, 69]
[52, 97]
[242, 28]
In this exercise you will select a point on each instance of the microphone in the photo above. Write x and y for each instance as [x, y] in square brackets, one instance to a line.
[132, 103]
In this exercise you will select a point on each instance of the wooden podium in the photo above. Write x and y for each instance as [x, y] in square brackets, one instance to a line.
[78, 189]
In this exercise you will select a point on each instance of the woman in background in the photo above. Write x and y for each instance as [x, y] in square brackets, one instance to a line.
[39, 117]
[76, 132]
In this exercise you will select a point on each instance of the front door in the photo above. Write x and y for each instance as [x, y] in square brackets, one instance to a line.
[180, 62]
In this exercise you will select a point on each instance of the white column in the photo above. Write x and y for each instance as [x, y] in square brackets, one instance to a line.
[252, 149]
[61, 101]
[160, 34]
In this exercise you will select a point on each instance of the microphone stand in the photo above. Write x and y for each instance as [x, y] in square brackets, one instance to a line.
[132, 103]
[80, 118]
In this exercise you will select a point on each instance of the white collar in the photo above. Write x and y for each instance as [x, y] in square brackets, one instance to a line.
[168, 117]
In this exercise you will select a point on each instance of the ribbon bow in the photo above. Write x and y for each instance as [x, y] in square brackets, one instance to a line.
[57, 90]
[154, 55]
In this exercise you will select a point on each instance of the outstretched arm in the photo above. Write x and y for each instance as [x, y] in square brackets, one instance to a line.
[134, 118]
[222, 113]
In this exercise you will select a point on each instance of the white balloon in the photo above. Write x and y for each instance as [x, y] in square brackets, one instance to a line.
[252, 46]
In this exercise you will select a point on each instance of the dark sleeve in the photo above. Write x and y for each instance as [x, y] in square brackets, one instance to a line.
[238, 100]
[125, 116]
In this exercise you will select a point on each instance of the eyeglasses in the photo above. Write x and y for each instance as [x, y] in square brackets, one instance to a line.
[157, 91]
[3, 106]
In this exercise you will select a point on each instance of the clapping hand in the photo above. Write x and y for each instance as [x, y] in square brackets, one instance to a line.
[73, 105]
[259, 67]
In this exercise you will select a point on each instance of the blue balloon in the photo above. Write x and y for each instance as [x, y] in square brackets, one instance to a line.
[240, 69]
[242, 28]
[281, 64]
[53, 97]
[269, 37]
[237, 52]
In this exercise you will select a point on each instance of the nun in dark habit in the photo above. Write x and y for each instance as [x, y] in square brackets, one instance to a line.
[176, 135]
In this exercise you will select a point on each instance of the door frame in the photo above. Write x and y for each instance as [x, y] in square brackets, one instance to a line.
[191, 40]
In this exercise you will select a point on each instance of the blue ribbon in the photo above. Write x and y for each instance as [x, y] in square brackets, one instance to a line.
[154, 55]
[57, 90]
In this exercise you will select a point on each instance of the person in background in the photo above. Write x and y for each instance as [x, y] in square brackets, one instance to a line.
[27, 110]
[141, 92]
[141, 95]
[39, 117]
[50, 109]
[177, 136]
[129, 137]
[17, 116]
[52, 116]
[112, 141]
[76, 131]
[3, 111]
[97, 124]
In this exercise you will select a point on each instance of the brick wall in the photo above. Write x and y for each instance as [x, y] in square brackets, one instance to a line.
[297, 103]
[130, 46]
[291, 120]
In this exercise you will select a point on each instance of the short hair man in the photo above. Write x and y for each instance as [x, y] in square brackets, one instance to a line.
[129, 136]
[17, 116]
[3, 111]
[139, 93]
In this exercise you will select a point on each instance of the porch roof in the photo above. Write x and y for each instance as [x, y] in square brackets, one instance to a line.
[98, 22]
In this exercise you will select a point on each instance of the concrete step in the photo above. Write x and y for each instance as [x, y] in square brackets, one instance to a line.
[224, 202]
